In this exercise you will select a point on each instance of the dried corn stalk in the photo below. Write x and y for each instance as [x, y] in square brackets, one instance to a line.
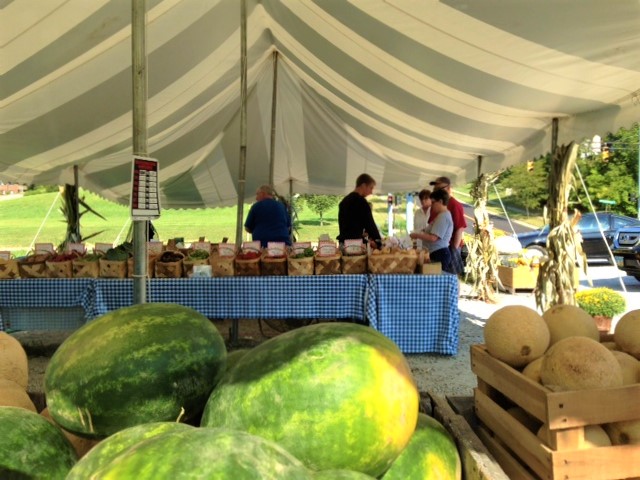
[482, 262]
[564, 247]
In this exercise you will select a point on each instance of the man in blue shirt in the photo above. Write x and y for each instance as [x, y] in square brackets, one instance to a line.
[268, 219]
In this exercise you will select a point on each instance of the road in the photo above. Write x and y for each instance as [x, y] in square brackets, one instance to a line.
[499, 221]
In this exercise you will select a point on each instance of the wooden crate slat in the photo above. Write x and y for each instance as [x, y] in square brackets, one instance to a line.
[512, 467]
[520, 389]
[524, 444]
[602, 463]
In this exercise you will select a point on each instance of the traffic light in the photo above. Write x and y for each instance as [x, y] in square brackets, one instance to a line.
[529, 165]
[607, 150]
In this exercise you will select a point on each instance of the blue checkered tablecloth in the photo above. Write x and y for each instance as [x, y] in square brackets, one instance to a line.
[326, 296]
[418, 312]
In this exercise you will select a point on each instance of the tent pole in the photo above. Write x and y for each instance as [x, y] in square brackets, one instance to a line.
[139, 81]
[243, 121]
[554, 135]
[274, 102]
[479, 171]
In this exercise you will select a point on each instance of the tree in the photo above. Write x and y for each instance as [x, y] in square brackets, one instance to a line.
[528, 185]
[321, 203]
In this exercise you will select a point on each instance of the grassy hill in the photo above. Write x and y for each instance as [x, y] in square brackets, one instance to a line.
[37, 219]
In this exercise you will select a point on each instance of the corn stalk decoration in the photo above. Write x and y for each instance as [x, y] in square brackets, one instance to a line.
[70, 209]
[482, 262]
[564, 245]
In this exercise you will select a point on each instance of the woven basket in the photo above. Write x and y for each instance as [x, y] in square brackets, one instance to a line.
[354, 264]
[189, 263]
[329, 265]
[169, 269]
[300, 266]
[392, 263]
[113, 268]
[151, 266]
[273, 265]
[34, 268]
[222, 266]
[62, 269]
[85, 269]
[247, 268]
[9, 269]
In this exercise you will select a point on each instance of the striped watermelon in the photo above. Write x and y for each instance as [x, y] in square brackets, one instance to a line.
[151, 362]
[31, 447]
[115, 445]
[209, 453]
[335, 395]
[432, 454]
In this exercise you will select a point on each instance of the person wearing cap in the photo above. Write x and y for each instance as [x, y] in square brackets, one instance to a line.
[437, 235]
[355, 218]
[268, 219]
[422, 214]
[459, 223]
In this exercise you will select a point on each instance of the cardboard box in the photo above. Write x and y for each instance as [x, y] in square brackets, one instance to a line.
[521, 453]
[434, 268]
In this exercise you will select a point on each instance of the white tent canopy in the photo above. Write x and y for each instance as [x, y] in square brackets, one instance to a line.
[405, 90]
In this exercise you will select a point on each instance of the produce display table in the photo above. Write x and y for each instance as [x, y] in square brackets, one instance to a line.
[419, 312]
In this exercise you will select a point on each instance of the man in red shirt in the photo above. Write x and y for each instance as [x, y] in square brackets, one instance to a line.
[459, 223]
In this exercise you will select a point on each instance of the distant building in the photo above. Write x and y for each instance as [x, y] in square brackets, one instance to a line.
[11, 188]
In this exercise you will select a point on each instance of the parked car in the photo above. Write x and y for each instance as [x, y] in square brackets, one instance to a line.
[626, 250]
[593, 244]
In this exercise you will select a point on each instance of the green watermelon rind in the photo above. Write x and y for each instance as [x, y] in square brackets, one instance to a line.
[115, 445]
[205, 453]
[432, 454]
[31, 447]
[138, 364]
[336, 395]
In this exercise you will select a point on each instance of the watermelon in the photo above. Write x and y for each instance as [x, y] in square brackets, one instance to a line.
[113, 446]
[341, 475]
[204, 453]
[31, 447]
[431, 454]
[152, 362]
[335, 395]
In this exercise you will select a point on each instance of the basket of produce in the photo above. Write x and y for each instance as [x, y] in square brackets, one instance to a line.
[247, 263]
[392, 261]
[273, 264]
[222, 266]
[9, 269]
[169, 264]
[327, 264]
[354, 259]
[86, 266]
[151, 266]
[300, 262]
[34, 266]
[193, 258]
[60, 265]
[113, 264]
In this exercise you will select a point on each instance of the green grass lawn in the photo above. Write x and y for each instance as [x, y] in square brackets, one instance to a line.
[37, 219]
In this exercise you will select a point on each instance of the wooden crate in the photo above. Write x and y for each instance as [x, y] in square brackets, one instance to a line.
[522, 454]
[523, 277]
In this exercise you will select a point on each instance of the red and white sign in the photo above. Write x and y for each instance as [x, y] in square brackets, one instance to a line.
[145, 199]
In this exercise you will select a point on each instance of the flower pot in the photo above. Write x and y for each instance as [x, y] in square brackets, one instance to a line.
[603, 323]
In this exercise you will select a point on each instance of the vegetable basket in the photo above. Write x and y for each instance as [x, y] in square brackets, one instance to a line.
[9, 269]
[151, 266]
[113, 268]
[297, 266]
[328, 264]
[193, 258]
[34, 266]
[85, 268]
[247, 263]
[59, 269]
[403, 262]
[222, 266]
[273, 265]
[169, 264]
[354, 264]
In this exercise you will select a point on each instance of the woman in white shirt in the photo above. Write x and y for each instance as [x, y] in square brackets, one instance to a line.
[421, 216]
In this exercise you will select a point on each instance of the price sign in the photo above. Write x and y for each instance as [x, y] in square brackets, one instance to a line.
[145, 199]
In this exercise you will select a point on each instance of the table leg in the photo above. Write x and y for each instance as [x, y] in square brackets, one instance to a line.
[233, 332]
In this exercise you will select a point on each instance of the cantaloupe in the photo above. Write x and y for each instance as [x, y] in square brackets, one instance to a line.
[570, 321]
[14, 364]
[630, 367]
[594, 436]
[516, 335]
[13, 395]
[627, 333]
[578, 363]
[611, 345]
[532, 370]
[624, 433]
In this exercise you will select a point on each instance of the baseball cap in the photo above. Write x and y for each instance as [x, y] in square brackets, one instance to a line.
[441, 180]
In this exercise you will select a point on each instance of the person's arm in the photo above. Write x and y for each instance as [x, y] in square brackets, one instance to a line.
[456, 241]
[250, 221]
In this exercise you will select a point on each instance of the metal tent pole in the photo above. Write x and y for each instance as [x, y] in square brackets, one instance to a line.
[274, 104]
[139, 78]
[243, 122]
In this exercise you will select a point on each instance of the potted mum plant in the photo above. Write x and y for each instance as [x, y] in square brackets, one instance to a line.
[602, 304]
